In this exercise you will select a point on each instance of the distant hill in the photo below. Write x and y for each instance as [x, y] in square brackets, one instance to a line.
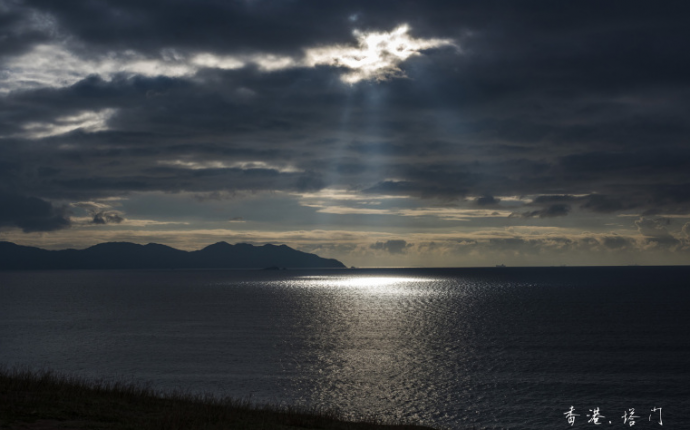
[125, 255]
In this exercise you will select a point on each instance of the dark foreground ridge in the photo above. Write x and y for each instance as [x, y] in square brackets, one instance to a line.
[125, 255]
[46, 401]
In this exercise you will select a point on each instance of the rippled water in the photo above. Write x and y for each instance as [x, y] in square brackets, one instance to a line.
[456, 348]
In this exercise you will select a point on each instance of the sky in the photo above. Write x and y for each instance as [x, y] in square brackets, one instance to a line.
[381, 133]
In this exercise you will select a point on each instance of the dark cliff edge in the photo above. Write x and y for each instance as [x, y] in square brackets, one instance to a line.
[126, 255]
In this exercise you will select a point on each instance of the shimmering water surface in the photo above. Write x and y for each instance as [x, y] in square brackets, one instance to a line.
[456, 348]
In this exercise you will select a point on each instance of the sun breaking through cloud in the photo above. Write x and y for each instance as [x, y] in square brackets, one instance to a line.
[378, 55]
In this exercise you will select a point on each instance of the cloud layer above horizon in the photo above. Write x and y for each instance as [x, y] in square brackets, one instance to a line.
[432, 133]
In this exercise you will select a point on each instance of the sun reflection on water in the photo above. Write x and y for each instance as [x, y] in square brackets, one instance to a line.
[368, 344]
[386, 285]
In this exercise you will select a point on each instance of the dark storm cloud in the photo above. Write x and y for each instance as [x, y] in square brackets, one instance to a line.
[171, 179]
[418, 189]
[605, 204]
[21, 28]
[643, 162]
[487, 201]
[551, 211]
[392, 246]
[104, 217]
[585, 99]
[555, 199]
[594, 202]
[205, 24]
[31, 213]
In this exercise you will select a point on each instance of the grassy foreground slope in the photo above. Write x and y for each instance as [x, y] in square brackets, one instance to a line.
[45, 400]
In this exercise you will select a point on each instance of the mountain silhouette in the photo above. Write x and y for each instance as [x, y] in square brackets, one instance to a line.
[126, 255]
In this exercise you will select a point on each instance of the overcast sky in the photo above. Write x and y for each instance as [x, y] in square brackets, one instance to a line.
[380, 133]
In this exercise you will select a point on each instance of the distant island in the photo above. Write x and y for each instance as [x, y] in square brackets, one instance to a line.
[126, 255]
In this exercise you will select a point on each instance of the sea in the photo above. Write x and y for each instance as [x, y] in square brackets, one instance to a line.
[471, 348]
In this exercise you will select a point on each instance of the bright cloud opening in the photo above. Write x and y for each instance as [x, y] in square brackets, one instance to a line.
[377, 56]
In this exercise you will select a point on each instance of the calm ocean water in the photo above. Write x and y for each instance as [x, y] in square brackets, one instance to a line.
[453, 348]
